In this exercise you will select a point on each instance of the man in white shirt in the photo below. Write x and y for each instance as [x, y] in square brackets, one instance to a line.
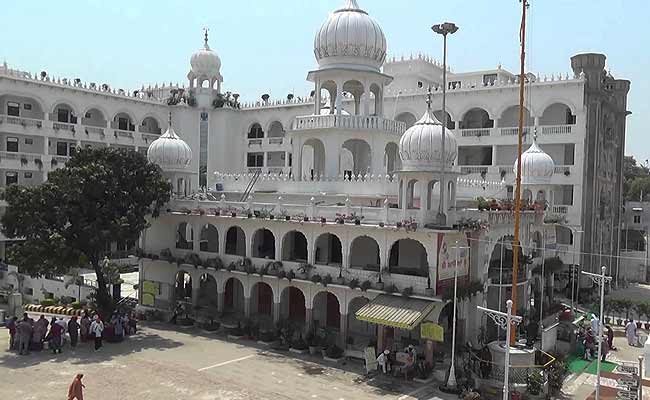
[382, 361]
[96, 330]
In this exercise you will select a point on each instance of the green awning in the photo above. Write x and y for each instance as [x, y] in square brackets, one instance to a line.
[396, 311]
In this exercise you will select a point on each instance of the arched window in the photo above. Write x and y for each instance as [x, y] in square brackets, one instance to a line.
[364, 254]
[209, 240]
[294, 247]
[328, 250]
[255, 132]
[184, 236]
[263, 244]
[408, 257]
[236, 241]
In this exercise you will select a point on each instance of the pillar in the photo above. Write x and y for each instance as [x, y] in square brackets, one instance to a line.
[343, 325]
[220, 301]
[247, 307]
[317, 98]
[339, 97]
[195, 292]
[309, 322]
[276, 312]
[380, 339]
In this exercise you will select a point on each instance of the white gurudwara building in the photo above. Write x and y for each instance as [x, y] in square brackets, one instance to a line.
[325, 209]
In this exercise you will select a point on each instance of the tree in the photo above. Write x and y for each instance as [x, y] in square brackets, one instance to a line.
[100, 196]
[639, 189]
[631, 172]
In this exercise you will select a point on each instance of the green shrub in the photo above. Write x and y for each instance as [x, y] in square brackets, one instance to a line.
[48, 302]
[76, 305]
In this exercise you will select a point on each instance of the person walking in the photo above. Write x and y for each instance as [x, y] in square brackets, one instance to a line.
[11, 325]
[96, 330]
[630, 333]
[75, 390]
[73, 331]
[383, 363]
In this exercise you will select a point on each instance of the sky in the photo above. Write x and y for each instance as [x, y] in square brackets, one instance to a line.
[266, 46]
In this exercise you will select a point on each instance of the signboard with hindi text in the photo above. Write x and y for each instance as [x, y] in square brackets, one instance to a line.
[452, 257]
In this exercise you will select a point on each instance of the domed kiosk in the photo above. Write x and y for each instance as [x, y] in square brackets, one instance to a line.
[350, 48]
[174, 157]
[425, 167]
[537, 170]
[205, 66]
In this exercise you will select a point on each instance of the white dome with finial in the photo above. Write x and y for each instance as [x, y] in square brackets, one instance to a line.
[169, 151]
[350, 38]
[537, 167]
[420, 148]
[205, 62]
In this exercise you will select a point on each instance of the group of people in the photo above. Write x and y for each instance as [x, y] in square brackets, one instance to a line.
[386, 362]
[588, 338]
[27, 335]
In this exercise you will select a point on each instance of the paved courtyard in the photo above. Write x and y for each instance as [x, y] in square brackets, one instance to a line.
[164, 363]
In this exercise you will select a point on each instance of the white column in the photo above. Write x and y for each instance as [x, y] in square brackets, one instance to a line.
[317, 98]
[339, 97]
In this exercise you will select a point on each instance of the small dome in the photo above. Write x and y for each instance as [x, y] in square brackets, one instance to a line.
[421, 145]
[205, 62]
[350, 38]
[537, 167]
[169, 151]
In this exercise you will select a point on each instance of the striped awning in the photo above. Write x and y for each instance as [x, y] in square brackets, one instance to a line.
[396, 311]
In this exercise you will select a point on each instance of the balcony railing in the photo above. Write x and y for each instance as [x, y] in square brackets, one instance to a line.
[125, 134]
[351, 122]
[276, 140]
[21, 121]
[94, 129]
[477, 169]
[514, 131]
[255, 142]
[556, 129]
[64, 126]
[475, 132]
[563, 169]
[561, 209]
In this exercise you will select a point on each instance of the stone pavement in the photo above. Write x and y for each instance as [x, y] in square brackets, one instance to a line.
[582, 386]
[162, 363]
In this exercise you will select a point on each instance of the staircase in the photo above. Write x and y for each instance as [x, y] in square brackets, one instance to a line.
[250, 185]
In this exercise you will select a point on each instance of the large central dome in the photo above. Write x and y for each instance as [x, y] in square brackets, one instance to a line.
[350, 38]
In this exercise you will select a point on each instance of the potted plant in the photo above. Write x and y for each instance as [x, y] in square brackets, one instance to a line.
[271, 217]
[534, 383]
[407, 291]
[354, 283]
[333, 353]
[327, 279]
[357, 221]
[305, 218]
[299, 346]
[233, 214]
[287, 217]
[313, 344]
[323, 220]
[304, 269]
[365, 285]
[316, 278]
[482, 204]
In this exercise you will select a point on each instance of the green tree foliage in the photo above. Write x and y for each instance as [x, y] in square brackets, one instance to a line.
[635, 178]
[100, 196]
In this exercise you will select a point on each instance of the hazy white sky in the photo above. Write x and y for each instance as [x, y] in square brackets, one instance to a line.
[266, 46]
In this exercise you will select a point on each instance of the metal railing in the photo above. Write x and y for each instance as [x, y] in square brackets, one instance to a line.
[556, 129]
[475, 132]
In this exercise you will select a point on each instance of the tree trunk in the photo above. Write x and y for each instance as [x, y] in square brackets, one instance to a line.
[102, 297]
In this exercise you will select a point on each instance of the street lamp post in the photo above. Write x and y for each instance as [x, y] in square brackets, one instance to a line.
[600, 280]
[443, 29]
[504, 320]
[451, 381]
[573, 271]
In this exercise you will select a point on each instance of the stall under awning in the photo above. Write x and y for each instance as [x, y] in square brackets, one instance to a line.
[396, 311]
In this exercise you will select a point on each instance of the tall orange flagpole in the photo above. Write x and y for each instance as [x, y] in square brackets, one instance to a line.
[515, 244]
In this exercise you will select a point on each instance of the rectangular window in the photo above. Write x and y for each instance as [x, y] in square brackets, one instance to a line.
[11, 178]
[63, 115]
[28, 175]
[489, 79]
[12, 144]
[27, 106]
[255, 160]
[637, 219]
[13, 109]
[61, 148]
[29, 141]
[123, 124]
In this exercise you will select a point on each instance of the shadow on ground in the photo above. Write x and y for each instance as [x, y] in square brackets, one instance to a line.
[85, 354]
